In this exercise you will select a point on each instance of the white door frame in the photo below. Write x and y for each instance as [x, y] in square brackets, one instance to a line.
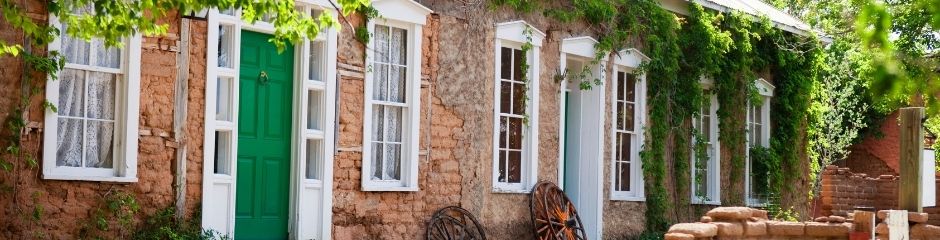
[219, 189]
[592, 142]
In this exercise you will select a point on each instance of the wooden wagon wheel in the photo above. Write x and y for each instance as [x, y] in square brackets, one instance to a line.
[454, 223]
[553, 214]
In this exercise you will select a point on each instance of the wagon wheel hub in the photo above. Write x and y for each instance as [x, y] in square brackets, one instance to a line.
[553, 214]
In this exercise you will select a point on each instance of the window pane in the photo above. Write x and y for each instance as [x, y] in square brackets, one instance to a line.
[75, 50]
[381, 43]
[505, 63]
[380, 82]
[316, 60]
[706, 128]
[395, 122]
[396, 84]
[378, 123]
[71, 93]
[621, 115]
[628, 116]
[223, 106]
[631, 88]
[399, 46]
[392, 162]
[505, 96]
[106, 56]
[517, 65]
[314, 110]
[226, 56]
[624, 176]
[69, 141]
[377, 160]
[621, 85]
[519, 98]
[515, 166]
[502, 166]
[314, 156]
[503, 126]
[101, 95]
[100, 141]
[625, 146]
[223, 143]
[515, 133]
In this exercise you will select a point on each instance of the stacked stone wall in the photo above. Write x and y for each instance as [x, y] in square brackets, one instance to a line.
[743, 223]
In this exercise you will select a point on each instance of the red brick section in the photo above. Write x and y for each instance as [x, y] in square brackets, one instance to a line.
[747, 223]
[67, 205]
[842, 190]
[876, 152]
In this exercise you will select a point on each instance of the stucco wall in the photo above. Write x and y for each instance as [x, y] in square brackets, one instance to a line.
[68, 205]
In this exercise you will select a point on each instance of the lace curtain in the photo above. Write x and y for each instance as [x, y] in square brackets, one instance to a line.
[86, 106]
[389, 92]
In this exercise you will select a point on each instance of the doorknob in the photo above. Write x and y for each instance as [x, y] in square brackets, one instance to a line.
[263, 78]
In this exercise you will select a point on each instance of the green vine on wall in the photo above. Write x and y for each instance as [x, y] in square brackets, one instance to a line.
[729, 48]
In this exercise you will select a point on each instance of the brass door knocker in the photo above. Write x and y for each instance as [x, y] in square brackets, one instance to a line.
[263, 78]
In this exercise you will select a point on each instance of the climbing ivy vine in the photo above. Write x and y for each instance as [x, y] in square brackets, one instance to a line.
[728, 48]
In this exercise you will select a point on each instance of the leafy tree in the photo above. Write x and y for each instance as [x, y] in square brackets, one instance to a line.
[113, 20]
[838, 107]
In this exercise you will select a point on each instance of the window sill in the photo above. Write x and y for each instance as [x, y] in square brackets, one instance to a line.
[712, 203]
[389, 189]
[90, 178]
[628, 199]
[511, 190]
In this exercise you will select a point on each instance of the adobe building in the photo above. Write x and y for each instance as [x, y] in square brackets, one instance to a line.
[335, 138]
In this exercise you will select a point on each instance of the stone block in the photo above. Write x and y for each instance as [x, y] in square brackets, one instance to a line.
[836, 219]
[755, 228]
[679, 236]
[762, 214]
[925, 231]
[729, 229]
[917, 217]
[705, 219]
[729, 213]
[827, 230]
[698, 230]
[785, 228]
[881, 228]
[821, 219]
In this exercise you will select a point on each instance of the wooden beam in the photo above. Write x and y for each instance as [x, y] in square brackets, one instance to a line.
[912, 153]
[180, 107]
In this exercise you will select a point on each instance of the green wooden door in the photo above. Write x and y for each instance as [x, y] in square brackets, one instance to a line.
[264, 131]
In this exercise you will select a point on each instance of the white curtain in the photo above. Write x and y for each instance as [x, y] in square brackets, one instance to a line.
[86, 106]
[389, 79]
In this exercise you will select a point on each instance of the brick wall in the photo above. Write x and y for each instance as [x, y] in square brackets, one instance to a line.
[68, 205]
[878, 153]
[393, 215]
[842, 190]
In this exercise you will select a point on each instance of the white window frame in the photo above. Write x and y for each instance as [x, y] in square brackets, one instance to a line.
[714, 163]
[513, 35]
[766, 92]
[412, 19]
[628, 61]
[126, 118]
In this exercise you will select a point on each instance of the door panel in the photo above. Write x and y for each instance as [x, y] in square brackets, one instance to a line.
[264, 124]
